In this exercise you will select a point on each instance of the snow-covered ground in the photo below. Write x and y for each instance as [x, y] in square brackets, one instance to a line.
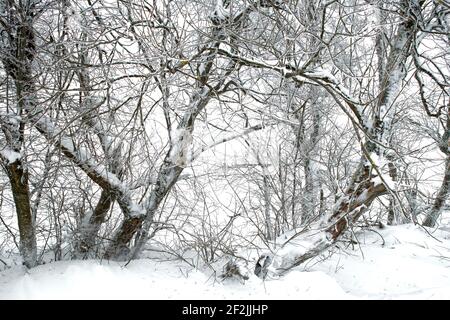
[407, 264]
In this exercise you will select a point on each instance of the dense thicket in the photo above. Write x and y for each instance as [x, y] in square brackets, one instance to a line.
[208, 127]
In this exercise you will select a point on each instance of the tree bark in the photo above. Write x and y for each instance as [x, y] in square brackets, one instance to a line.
[90, 229]
[17, 59]
[356, 200]
[436, 209]
[444, 190]
[18, 177]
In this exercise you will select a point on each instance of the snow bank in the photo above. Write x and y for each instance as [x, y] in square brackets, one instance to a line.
[401, 262]
[146, 279]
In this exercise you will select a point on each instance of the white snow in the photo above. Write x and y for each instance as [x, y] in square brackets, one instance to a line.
[67, 143]
[220, 12]
[408, 265]
[10, 155]
[146, 279]
[181, 151]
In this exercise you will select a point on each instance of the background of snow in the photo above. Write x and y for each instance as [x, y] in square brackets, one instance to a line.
[410, 265]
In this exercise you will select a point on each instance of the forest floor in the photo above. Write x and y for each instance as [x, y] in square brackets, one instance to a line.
[398, 262]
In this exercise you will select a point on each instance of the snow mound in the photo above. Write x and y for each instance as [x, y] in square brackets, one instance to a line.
[147, 279]
[401, 262]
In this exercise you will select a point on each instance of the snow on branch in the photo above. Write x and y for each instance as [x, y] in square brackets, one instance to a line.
[247, 131]
[98, 173]
[180, 153]
[9, 156]
[320, 77]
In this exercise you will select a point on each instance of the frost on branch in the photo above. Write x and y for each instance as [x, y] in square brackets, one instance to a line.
[181, 149]
[220, 14]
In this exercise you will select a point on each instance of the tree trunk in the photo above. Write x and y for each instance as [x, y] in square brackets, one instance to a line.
[89, 229]
[18, 177]
[118, 248]
[19, 53]
[436, 209]
[174, 163]
[311, 193]
[356, 200]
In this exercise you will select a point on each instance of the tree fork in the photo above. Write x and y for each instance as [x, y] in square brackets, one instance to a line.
[90, 231]
[118, 249]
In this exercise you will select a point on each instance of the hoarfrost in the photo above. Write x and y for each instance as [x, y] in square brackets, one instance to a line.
[181, 152]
